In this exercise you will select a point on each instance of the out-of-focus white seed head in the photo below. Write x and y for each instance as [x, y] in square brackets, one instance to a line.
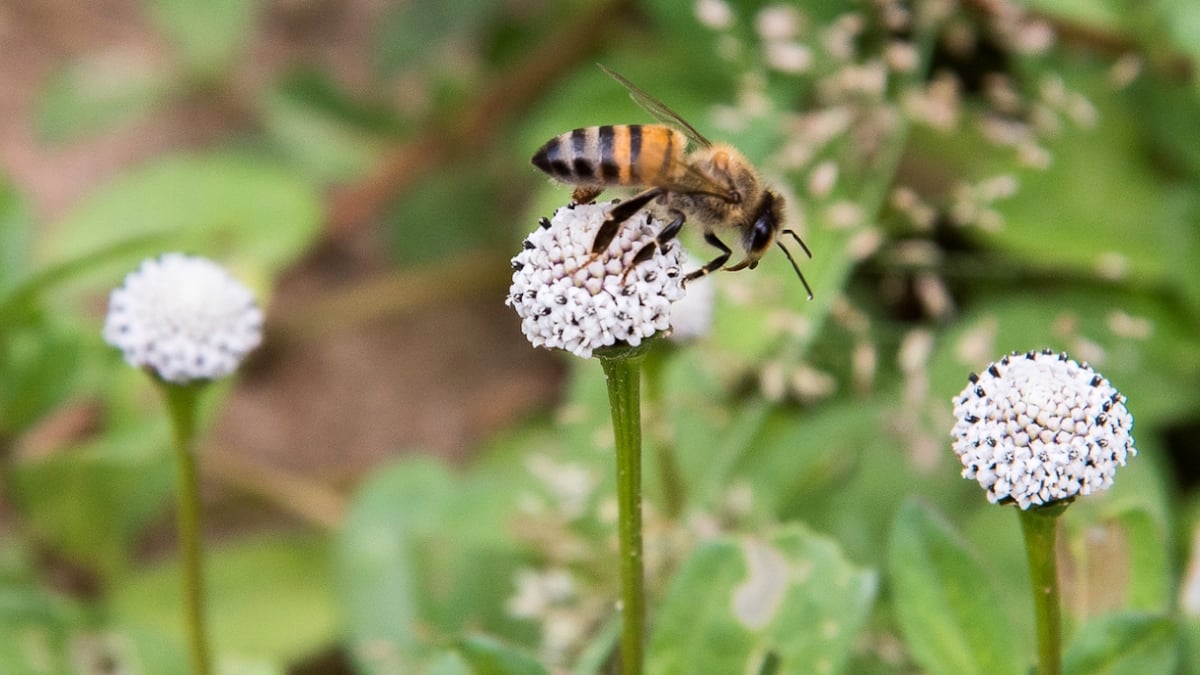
[184, 318]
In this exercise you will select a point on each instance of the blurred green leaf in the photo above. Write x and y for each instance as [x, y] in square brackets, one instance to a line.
[244, 211]
[1170, 108]
[150, 649]
[269, 599]
[1106, 199]
[1150, 569]
[99, 91]
[325, 132]
[41, 365]
[842, 469]
[35, 625]
[15, 236]
[422, 36]
[1180, 20]
[489, 656]
[797, 455]
[378, 561]
[92, 502]
[947, 608]
[1100, 15]
[790, 600]
[208, 36]
[424, 555]
[1124, 644]
[448, 212]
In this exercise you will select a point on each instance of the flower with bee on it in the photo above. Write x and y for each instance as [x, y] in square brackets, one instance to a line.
[569, 298]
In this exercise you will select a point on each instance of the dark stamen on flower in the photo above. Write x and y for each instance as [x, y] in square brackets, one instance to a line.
[544, 223]
[973, 378]
[994, 370]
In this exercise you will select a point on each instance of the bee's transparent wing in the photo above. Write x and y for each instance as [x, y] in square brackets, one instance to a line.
[658, 109]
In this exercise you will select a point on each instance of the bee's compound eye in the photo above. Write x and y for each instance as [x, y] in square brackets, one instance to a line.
[763, 233]
[766, 225]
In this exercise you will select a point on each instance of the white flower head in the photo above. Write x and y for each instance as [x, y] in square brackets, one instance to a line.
[183, 317]
[1037, 428]
[570, 299]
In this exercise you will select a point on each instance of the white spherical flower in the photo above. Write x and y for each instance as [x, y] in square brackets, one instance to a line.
[1037, 428]
[183, 317]
[569, 299]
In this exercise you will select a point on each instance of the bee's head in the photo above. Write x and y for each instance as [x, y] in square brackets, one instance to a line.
[764, 224]
[762, 230]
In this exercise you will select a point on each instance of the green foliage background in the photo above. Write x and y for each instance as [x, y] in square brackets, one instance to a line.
[881, 559]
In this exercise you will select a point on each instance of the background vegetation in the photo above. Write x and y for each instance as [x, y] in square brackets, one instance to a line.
[399, 484]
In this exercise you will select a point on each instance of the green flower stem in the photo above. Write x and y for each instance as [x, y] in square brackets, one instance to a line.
[1040, 526]
[623, 371]
[182, 406]
[670, 477]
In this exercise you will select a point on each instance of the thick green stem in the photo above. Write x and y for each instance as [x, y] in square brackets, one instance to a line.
[623, 370]
[1039, 526]
[182, 404]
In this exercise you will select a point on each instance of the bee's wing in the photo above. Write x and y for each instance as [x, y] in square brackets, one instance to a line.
[691, 179]
[658, 109]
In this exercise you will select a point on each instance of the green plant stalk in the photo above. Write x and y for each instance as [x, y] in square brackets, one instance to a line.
[623, 371]
[1039, 526]
[182, 406]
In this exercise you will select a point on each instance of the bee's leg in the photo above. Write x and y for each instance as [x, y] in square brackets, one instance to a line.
[671, 230]
[714, 264]
[663, 238]
[584, 194]
[618, 215]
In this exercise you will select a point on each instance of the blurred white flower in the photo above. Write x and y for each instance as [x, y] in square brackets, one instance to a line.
[569, 299]
[183, 317]
[692, 315]
[1037, 428]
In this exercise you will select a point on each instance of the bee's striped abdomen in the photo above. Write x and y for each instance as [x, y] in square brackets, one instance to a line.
[618, 154]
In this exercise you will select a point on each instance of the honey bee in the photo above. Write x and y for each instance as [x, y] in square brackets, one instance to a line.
[713, 184]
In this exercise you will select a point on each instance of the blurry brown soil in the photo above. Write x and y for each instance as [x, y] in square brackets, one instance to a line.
[324, 408]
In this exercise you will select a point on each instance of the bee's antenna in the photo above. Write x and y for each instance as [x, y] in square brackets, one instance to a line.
[793, 260]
